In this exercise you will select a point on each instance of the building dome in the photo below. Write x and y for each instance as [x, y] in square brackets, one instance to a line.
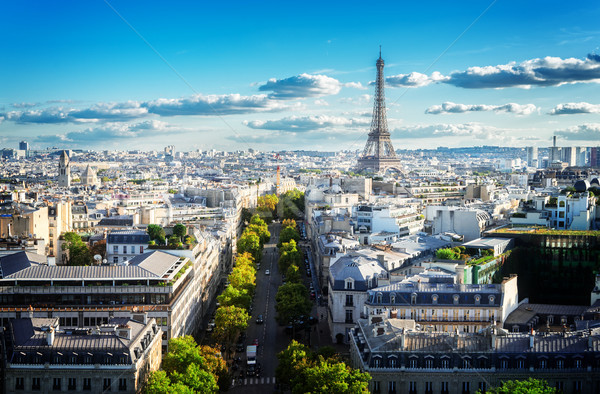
[581, 186]
[595, 182]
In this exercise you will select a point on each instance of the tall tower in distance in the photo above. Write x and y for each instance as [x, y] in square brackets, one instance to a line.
[379, 153]
[64, 170]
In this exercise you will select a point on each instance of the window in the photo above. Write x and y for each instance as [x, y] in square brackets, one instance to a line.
[87, 384]
[444, 388]
[36, 384]
[377, 362]
[379, 298]
[124, 249]
[543, 364]
[477, 299]
[560, 363]
[503, 364]
[141, 249]
[115, 259]
[412, 387]
[115, 249]
[466, 363]
[72, 384]
[578, 363]
[393, 361]
[434, 299]
[376, 386]
[392, 298]
[445, 363]
[482, 387]
[560, 386]
[413, 298]
[577, 386]
[349, 285]
[56, 384]
[392, 387]
[428, 387]
[106, 384]
[455, 299]
[349, 316]
[521, 364]
[466, 387]
[349, 300]
[19, 383]
[122, 384]
[413, 362]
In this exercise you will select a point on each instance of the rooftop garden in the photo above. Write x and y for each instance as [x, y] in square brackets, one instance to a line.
[531, 229]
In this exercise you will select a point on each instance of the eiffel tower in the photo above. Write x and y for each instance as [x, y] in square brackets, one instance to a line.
[379, 153]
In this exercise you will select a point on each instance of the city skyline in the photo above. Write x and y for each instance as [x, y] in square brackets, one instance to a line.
[122, 75]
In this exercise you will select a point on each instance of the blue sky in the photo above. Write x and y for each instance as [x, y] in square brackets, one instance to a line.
[279, 75]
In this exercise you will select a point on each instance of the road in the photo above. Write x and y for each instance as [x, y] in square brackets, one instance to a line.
[271, 337]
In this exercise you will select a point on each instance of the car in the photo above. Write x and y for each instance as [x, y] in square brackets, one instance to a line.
[267, 272]
[259, 319]
[255, 342]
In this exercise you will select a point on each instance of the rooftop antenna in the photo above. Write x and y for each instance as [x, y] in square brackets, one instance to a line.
[380, 51]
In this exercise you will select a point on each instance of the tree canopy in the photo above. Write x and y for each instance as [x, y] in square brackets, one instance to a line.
[79, 253]
[188, 368]
[250, 243]
[180, 231]
[308, 372]
[287, 234]
[235, 296]
[292, 302]
[230, 321]
[529, 386]
[156, 232]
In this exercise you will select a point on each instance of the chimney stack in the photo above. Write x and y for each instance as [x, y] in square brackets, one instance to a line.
[50, 336]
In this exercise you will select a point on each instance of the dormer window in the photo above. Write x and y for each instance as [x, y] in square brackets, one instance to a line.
[349, 284]
[491, 299]
[477, 299]
[413, 298]
[434, 299]
[379, 298]
[392, 298]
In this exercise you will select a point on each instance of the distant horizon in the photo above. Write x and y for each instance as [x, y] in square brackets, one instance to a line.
[141, 76]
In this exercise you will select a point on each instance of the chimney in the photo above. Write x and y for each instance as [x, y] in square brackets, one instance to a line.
[51, 260]
[30, 310]
[403, 340]
[50, 336]
[124, 331]
[554, 141]
[381, 258]
[531, 339]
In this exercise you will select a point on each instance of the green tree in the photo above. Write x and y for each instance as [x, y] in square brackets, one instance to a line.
[288, 234]
[180, 230]
[187, 368]
[291, 302]
[174, 240]
[289, 223]
[291, 205]
[330, 378]
[250, 243]
[79, 253]
[292, 360]
[234, 296]
[447, 254]
[267, 202]
[243, 277]
[529, 386]
[156, 232]
[262, 231]
[293, 274]
[289, 254]
[230, 322]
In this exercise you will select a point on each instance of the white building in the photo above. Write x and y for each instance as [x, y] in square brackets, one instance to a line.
[464, 221]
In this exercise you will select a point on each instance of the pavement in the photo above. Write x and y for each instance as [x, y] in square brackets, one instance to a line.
[271, 336]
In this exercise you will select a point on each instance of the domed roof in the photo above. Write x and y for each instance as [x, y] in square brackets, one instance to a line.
[581, 186]
[595, 182]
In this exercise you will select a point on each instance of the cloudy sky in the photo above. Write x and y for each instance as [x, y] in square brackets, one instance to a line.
[231, 75]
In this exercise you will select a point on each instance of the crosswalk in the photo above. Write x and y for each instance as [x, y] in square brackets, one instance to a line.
[251, 381]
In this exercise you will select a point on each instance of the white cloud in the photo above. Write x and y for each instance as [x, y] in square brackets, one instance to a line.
[307, 123]
[548, 71]
[584, 132]
[227, 104]
[471, 130]
[98, 112]
[112, 131]
[321, 103]
[355, 85]
[575, 108]
[454, 108]
[414, 80]
[301, 86]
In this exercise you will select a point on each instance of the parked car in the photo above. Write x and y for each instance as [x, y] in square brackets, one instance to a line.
[259, 319]
[255, 342]
[267, 272]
